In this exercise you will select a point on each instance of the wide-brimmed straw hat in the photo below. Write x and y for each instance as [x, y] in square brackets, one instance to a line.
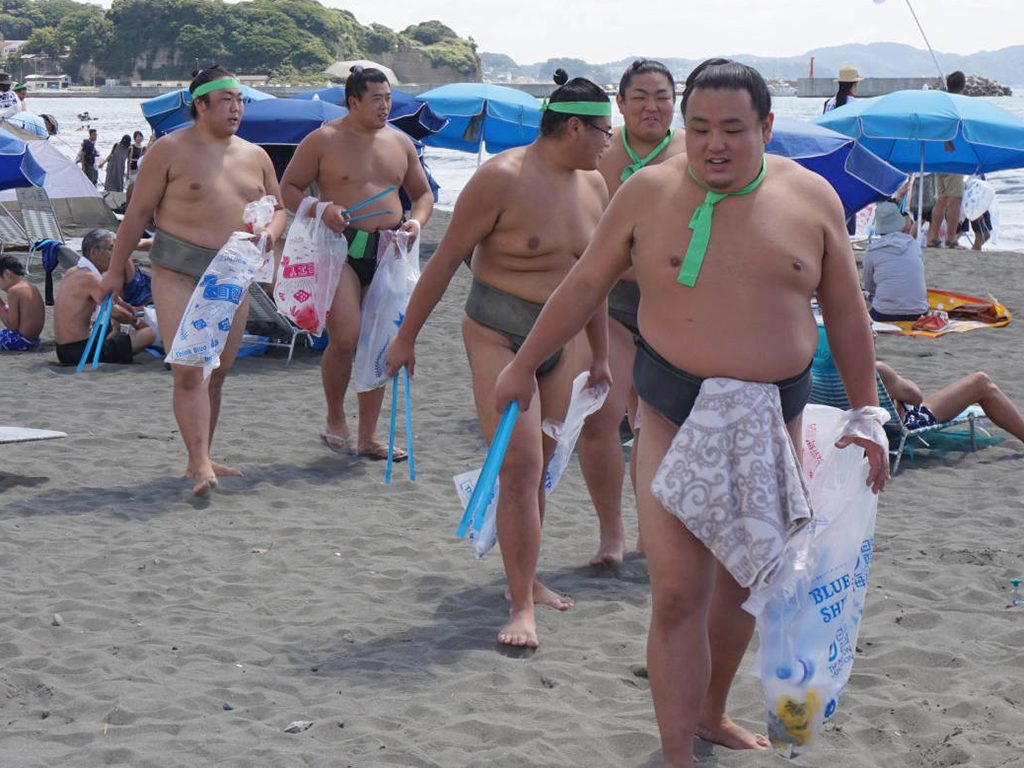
[848, 75]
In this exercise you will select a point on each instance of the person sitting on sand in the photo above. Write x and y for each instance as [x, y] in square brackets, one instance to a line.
[137, 291]
[919, 410]
[893, 271]
[646, 99]
[23, 314]
[526, 215]
[79, 293]
[196, 182]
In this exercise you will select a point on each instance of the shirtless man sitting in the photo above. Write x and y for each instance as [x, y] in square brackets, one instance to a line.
[78, 295]
[196, 182]
[646, 100]
[23, 314]
[526, 216]
[708, 234]
[351, 160]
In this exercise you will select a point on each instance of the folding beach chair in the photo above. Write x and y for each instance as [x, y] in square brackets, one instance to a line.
[827, 389]
[11, 231]
[40, 220]
[282, 331]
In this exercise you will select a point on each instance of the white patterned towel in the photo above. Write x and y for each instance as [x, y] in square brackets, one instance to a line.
[731, 476]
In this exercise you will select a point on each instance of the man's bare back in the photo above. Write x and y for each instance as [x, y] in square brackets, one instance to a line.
[208, 185]
[28, 304]
[74, 305]
[542, 223]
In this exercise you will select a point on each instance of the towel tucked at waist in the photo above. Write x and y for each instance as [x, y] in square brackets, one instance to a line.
[732, 477]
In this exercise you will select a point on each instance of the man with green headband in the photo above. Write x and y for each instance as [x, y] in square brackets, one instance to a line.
[646, 99]
[196, 182]
[526, 216]
[728, 246]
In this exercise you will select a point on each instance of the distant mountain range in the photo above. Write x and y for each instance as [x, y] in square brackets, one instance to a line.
[873, 60]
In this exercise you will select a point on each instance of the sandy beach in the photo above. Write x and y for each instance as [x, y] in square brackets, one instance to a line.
[144, 627]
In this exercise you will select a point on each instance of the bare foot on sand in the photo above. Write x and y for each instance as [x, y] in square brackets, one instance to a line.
[609, 553]
[728, 734]
[544, 596]
[223, 470]
[521, 630]
[205, 479]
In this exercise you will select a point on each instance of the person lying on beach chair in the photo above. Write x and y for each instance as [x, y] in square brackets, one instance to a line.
[919, 410]
[23, 315]
[77, 297]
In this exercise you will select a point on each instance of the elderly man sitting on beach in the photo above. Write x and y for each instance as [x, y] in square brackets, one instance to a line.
[77, 298]
[23, 315]
[893, 271]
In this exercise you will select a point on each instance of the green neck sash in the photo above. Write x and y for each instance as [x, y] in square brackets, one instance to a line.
[700, 224]
[639, 163]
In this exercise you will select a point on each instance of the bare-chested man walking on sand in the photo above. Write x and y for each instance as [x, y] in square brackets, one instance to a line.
[526, 216]
[196, 182]
[646, 100]
[709, 234]
[351, 160]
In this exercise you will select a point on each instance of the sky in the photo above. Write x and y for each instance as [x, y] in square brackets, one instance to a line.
[599, 31]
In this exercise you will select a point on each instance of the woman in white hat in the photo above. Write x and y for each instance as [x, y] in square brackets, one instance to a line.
[848, 79]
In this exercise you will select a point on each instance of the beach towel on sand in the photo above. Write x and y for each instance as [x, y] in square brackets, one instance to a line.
[731, 476]
[965, 313]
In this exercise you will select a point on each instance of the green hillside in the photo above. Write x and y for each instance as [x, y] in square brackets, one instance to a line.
[287, 39]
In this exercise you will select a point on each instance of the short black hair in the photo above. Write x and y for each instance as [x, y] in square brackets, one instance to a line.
[11, 264]
[728, 75]
[358, 81]
[956, 82]
[201, 77]
[646, 67]
[577, 89]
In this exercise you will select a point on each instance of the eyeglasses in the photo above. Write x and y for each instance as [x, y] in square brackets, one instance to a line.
[607, 132]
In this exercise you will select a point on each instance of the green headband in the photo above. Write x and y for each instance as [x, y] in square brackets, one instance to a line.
[216, 85]
[587, 108]
[20, 87]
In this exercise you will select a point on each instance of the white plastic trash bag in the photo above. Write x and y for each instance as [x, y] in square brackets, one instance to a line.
[206, 322]
[398, 269]
[585, 401]
[808, 622]
[978, 197]
[257, 216]
[310, 268]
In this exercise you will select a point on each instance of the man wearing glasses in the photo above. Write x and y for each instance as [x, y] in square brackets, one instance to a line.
[526, 216]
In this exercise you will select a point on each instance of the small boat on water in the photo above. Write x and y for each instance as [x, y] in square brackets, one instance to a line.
[85, 117]
[778, 87]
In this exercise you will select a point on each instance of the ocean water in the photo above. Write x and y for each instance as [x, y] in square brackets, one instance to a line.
[116, 117]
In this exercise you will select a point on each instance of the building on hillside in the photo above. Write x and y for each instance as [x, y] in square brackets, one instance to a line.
[52, 81]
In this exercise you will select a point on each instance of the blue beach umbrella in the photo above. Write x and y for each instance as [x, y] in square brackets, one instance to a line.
[170, 111]
[858, 176]
[482, 114]
[277, 123]
[408, 114]
[18, 168]
[933, 131]
[285, 121]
